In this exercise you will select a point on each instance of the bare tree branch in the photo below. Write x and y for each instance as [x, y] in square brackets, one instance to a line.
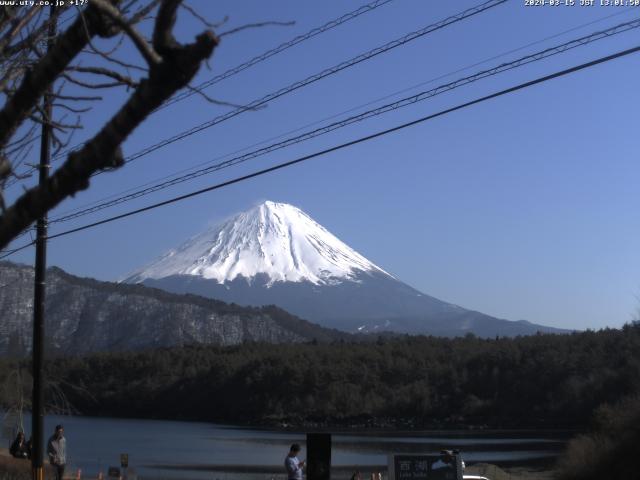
[143, 12]
[163, 41]
[178, 65]
[199, 91]
[5, 168]
[34, 83]
[6, 14]
[105, 53]
[18, 24]
[81, 83]
[24, 138]
[66, 143]
[139, 41]
[203, 20]
[118, 62]
[121, 79]
[254, 25]
[77, 98]
[71, 109]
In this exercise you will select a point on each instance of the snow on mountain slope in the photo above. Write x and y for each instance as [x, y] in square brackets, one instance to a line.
[275, 254]
[273, 239]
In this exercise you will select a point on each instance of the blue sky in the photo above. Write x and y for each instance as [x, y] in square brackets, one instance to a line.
[523, 207]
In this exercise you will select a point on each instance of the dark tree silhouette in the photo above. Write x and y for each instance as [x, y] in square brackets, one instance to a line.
[73, 61]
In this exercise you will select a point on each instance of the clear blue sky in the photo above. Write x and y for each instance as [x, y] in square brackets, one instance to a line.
[524, 207]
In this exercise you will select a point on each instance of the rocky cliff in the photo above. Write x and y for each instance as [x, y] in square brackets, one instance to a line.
[85, 315]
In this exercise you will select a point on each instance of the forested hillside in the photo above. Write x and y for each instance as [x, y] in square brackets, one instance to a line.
[85, 315]
[542, 380]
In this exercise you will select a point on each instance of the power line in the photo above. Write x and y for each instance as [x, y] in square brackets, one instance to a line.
[312, 79]
[352, 109]
[355, 142]
[255, 60]
[274, 51]
[424, 95]
[7, 253]
[343, 145]
[318, 76]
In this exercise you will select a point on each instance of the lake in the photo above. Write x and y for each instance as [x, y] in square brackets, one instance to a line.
[198, 450]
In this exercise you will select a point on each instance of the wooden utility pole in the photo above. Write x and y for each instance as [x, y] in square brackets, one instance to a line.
[37, 406]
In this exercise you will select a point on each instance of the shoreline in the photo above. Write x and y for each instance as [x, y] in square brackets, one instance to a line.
[378, 425]
[491, 471]
[18, 468]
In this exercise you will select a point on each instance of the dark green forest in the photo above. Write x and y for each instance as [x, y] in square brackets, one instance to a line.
[535, 381]
[610, 449]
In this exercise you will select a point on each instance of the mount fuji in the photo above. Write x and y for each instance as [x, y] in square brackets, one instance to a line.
[276, 254]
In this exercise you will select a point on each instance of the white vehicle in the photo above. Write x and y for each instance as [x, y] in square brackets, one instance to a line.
[468, 477]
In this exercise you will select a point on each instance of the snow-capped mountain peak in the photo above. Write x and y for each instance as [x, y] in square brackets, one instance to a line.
[273, 239]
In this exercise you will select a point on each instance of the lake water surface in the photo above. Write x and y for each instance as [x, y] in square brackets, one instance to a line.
[198, 450]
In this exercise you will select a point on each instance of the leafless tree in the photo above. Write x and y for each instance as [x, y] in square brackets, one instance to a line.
[80, 61]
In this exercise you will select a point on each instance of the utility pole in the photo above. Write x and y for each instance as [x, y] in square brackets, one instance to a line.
[37, 406]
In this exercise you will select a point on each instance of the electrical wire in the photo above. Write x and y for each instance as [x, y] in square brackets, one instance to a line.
[7, 253]
[362, 139]
[366, 138]
[381, 133]
[407, 101]
[316, 77]
[255, 60]
[274, 51]
[372, 102]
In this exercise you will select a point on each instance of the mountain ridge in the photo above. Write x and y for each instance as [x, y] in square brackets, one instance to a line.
[85, 315]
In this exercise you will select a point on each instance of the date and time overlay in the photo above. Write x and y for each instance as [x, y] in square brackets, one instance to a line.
[582, 3]
[527, 3]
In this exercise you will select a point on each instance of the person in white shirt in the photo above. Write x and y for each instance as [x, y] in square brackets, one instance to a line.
[292, 464]
[57, 450]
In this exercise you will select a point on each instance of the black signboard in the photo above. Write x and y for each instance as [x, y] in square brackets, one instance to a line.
[425, 467]
[113, 472]
[318, 456]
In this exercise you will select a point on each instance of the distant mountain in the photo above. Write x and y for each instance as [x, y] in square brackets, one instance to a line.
[276, 241]
[85, 315]
[276, 254]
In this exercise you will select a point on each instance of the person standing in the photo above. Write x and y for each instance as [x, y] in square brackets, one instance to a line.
[19, 448]
[292, 464]
[57, 450]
